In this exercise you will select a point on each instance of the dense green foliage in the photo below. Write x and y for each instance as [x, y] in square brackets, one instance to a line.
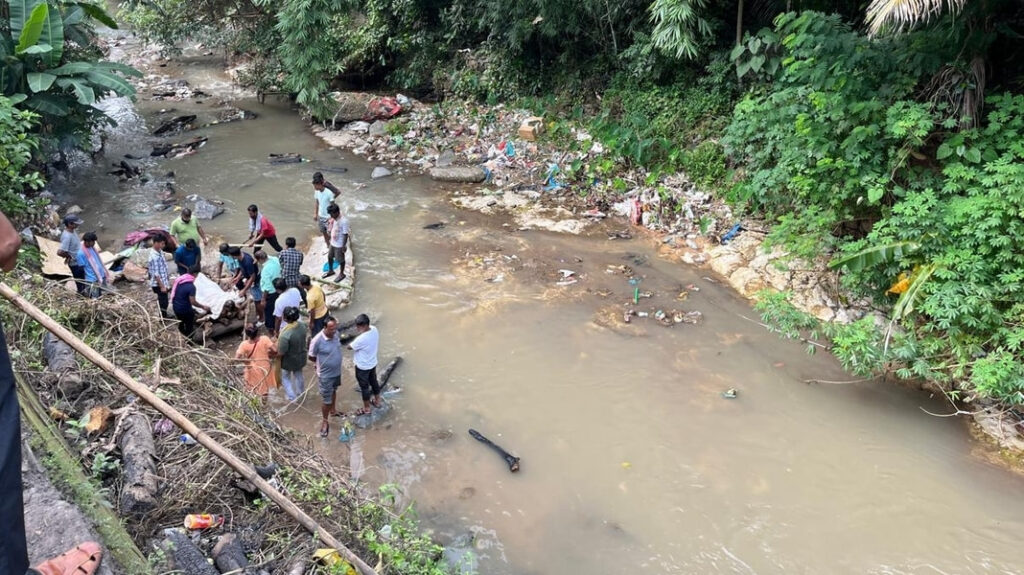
[50, 64]
[17, 144]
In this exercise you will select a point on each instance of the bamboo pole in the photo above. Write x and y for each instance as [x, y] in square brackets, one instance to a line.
[225, 455]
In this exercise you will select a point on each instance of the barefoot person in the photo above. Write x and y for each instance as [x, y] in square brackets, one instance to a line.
[324, 194]
[261, 230]
[338, 230]
[258, 352]
[291, 348]
[83, 559]
[325, 351]
[364, 356]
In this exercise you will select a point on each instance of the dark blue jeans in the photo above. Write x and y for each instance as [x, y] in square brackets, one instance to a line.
[13, 549]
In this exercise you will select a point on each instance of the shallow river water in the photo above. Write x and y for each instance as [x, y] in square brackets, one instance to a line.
[632, 461]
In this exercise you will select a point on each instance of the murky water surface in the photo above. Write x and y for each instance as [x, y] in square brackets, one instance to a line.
[632, 461]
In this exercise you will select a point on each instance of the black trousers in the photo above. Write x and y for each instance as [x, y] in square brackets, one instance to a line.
[13, 549]
[78, 272]
[272, 240]
[188, 322]
[161, 299]
[269, 299]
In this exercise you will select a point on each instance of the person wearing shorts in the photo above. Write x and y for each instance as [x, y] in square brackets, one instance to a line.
[338, 243]
[364, 356]
[325, 352]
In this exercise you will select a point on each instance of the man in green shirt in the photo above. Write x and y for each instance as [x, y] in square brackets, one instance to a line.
[291, 348]
[185, 227]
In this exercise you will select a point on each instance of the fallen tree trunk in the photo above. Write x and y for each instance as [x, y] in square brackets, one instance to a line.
[465, 174]
[225, 455]
[62, 367]
[138, 454]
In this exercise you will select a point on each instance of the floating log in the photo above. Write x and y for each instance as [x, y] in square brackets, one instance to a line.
[465, 174]
[179, 148]
[184, 555]
[174, 125]
[289, 158]
[138, 456]
[512, 460]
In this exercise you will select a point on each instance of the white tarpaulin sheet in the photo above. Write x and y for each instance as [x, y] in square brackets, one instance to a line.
[209, 293]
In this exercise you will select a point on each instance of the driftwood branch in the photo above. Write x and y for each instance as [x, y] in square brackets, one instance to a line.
[225, 455]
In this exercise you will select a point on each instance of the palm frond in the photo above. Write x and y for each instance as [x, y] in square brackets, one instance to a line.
[905, 14]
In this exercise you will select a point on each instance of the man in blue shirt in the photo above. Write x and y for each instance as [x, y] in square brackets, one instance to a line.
[186, 256]
[96, 275]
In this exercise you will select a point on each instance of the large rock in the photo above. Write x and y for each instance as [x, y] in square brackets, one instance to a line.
[726, 261]
[746, 281]
[380, 172]
[205, 209]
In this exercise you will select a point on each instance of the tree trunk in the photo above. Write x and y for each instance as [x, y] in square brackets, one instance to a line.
[739, 23]
[138, 455]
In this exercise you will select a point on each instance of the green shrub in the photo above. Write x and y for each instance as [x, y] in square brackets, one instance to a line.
[705, 164]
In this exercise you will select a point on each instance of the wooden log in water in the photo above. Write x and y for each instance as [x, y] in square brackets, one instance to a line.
[465, 174]
[512, 460]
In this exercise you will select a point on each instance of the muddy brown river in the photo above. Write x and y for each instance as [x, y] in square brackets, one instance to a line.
[632, 460]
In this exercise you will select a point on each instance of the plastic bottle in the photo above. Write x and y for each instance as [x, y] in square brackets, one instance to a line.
[203, 521]
[188, 439]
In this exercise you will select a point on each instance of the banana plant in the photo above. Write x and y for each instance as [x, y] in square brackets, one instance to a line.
[34, 75]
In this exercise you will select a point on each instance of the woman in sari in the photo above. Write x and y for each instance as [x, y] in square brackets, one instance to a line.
[258, 352]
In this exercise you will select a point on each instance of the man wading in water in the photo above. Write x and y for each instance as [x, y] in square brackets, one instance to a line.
[325, 351]
[365, 359]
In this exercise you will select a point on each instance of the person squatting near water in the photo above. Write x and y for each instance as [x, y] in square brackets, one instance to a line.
[82, 559]
[325, 352]
[364, 356]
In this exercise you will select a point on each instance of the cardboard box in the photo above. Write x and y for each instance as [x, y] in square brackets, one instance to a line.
[531, 128]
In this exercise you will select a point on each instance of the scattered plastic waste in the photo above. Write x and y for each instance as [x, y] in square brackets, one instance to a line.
[347, 432]
[730, 393]
[551, 183]
[203, 521]
[188, 439]
[732, 233]
[332, 559]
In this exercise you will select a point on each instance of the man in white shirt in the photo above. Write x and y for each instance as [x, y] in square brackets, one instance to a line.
[364, 356]
[286, 297]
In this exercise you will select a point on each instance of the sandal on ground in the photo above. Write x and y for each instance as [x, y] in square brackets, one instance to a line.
[337, 414]
[339, 278]
[325, 428]
[327, 274]
[377, 403]
[82, 560]
[362, 411]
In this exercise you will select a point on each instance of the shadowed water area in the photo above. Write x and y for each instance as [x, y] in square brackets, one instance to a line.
[632, 461]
